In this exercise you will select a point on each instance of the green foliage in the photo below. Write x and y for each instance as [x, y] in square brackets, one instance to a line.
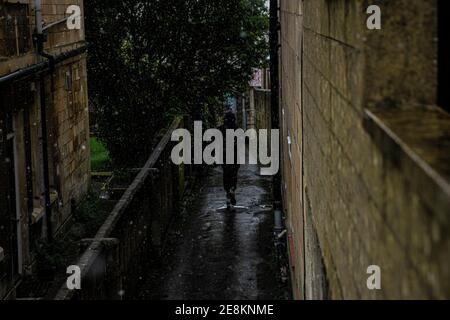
[56, 256]
[99, 155]
[151, 60]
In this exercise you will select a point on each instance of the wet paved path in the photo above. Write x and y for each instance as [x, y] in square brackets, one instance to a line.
[215, 254]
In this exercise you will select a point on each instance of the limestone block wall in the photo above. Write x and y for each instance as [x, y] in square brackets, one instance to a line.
[355, 189]
[66, 98]
[69, 138]
[291, 34]
[18, 25]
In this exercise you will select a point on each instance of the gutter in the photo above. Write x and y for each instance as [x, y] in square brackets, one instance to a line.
[41, 67]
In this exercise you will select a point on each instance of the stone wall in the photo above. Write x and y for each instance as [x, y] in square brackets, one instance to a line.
[359, 134]
[70, 150]
[291, 135]
[262, 109]
[68, 130]
[135, 230]
[60, 38]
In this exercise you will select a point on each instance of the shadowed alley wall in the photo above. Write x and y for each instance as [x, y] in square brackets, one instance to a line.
[365, 150]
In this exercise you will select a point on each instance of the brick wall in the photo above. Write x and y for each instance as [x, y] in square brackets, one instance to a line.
[350, 201]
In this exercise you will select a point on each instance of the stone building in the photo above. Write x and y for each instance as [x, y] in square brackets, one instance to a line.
[44, 131]
[366, 147]
[253, 106]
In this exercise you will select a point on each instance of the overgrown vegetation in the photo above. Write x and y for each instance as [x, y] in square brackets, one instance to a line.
[100, 160]
[87, 219]
[53, 258]
[151, 60]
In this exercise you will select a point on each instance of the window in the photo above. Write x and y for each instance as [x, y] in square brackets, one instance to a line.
[68, 80]
[15, 38]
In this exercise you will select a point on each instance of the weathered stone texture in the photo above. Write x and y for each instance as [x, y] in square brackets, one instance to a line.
[60, 38]
[70, 136]
[361, 200]
[68, 129]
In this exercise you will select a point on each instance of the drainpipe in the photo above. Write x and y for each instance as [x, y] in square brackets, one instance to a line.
[28, 165]
[275, 86]
[38, 15]
[39, 39]
[18, 202]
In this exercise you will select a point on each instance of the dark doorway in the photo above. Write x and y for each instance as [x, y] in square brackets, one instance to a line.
[8, 228]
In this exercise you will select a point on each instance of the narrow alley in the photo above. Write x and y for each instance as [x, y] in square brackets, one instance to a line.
[220, 254]
[115, 120]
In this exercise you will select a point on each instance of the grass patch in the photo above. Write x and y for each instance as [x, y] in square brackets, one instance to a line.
[100, 159]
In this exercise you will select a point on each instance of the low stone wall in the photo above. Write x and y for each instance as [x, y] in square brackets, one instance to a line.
[134, 230]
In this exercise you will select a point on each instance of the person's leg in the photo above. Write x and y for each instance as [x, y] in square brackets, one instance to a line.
[234, 176]
[227, 183]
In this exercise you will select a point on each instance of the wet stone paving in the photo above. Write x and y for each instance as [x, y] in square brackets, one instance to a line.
[215, 254]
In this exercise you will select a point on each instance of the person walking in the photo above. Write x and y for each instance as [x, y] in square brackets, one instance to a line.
[230, 171]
